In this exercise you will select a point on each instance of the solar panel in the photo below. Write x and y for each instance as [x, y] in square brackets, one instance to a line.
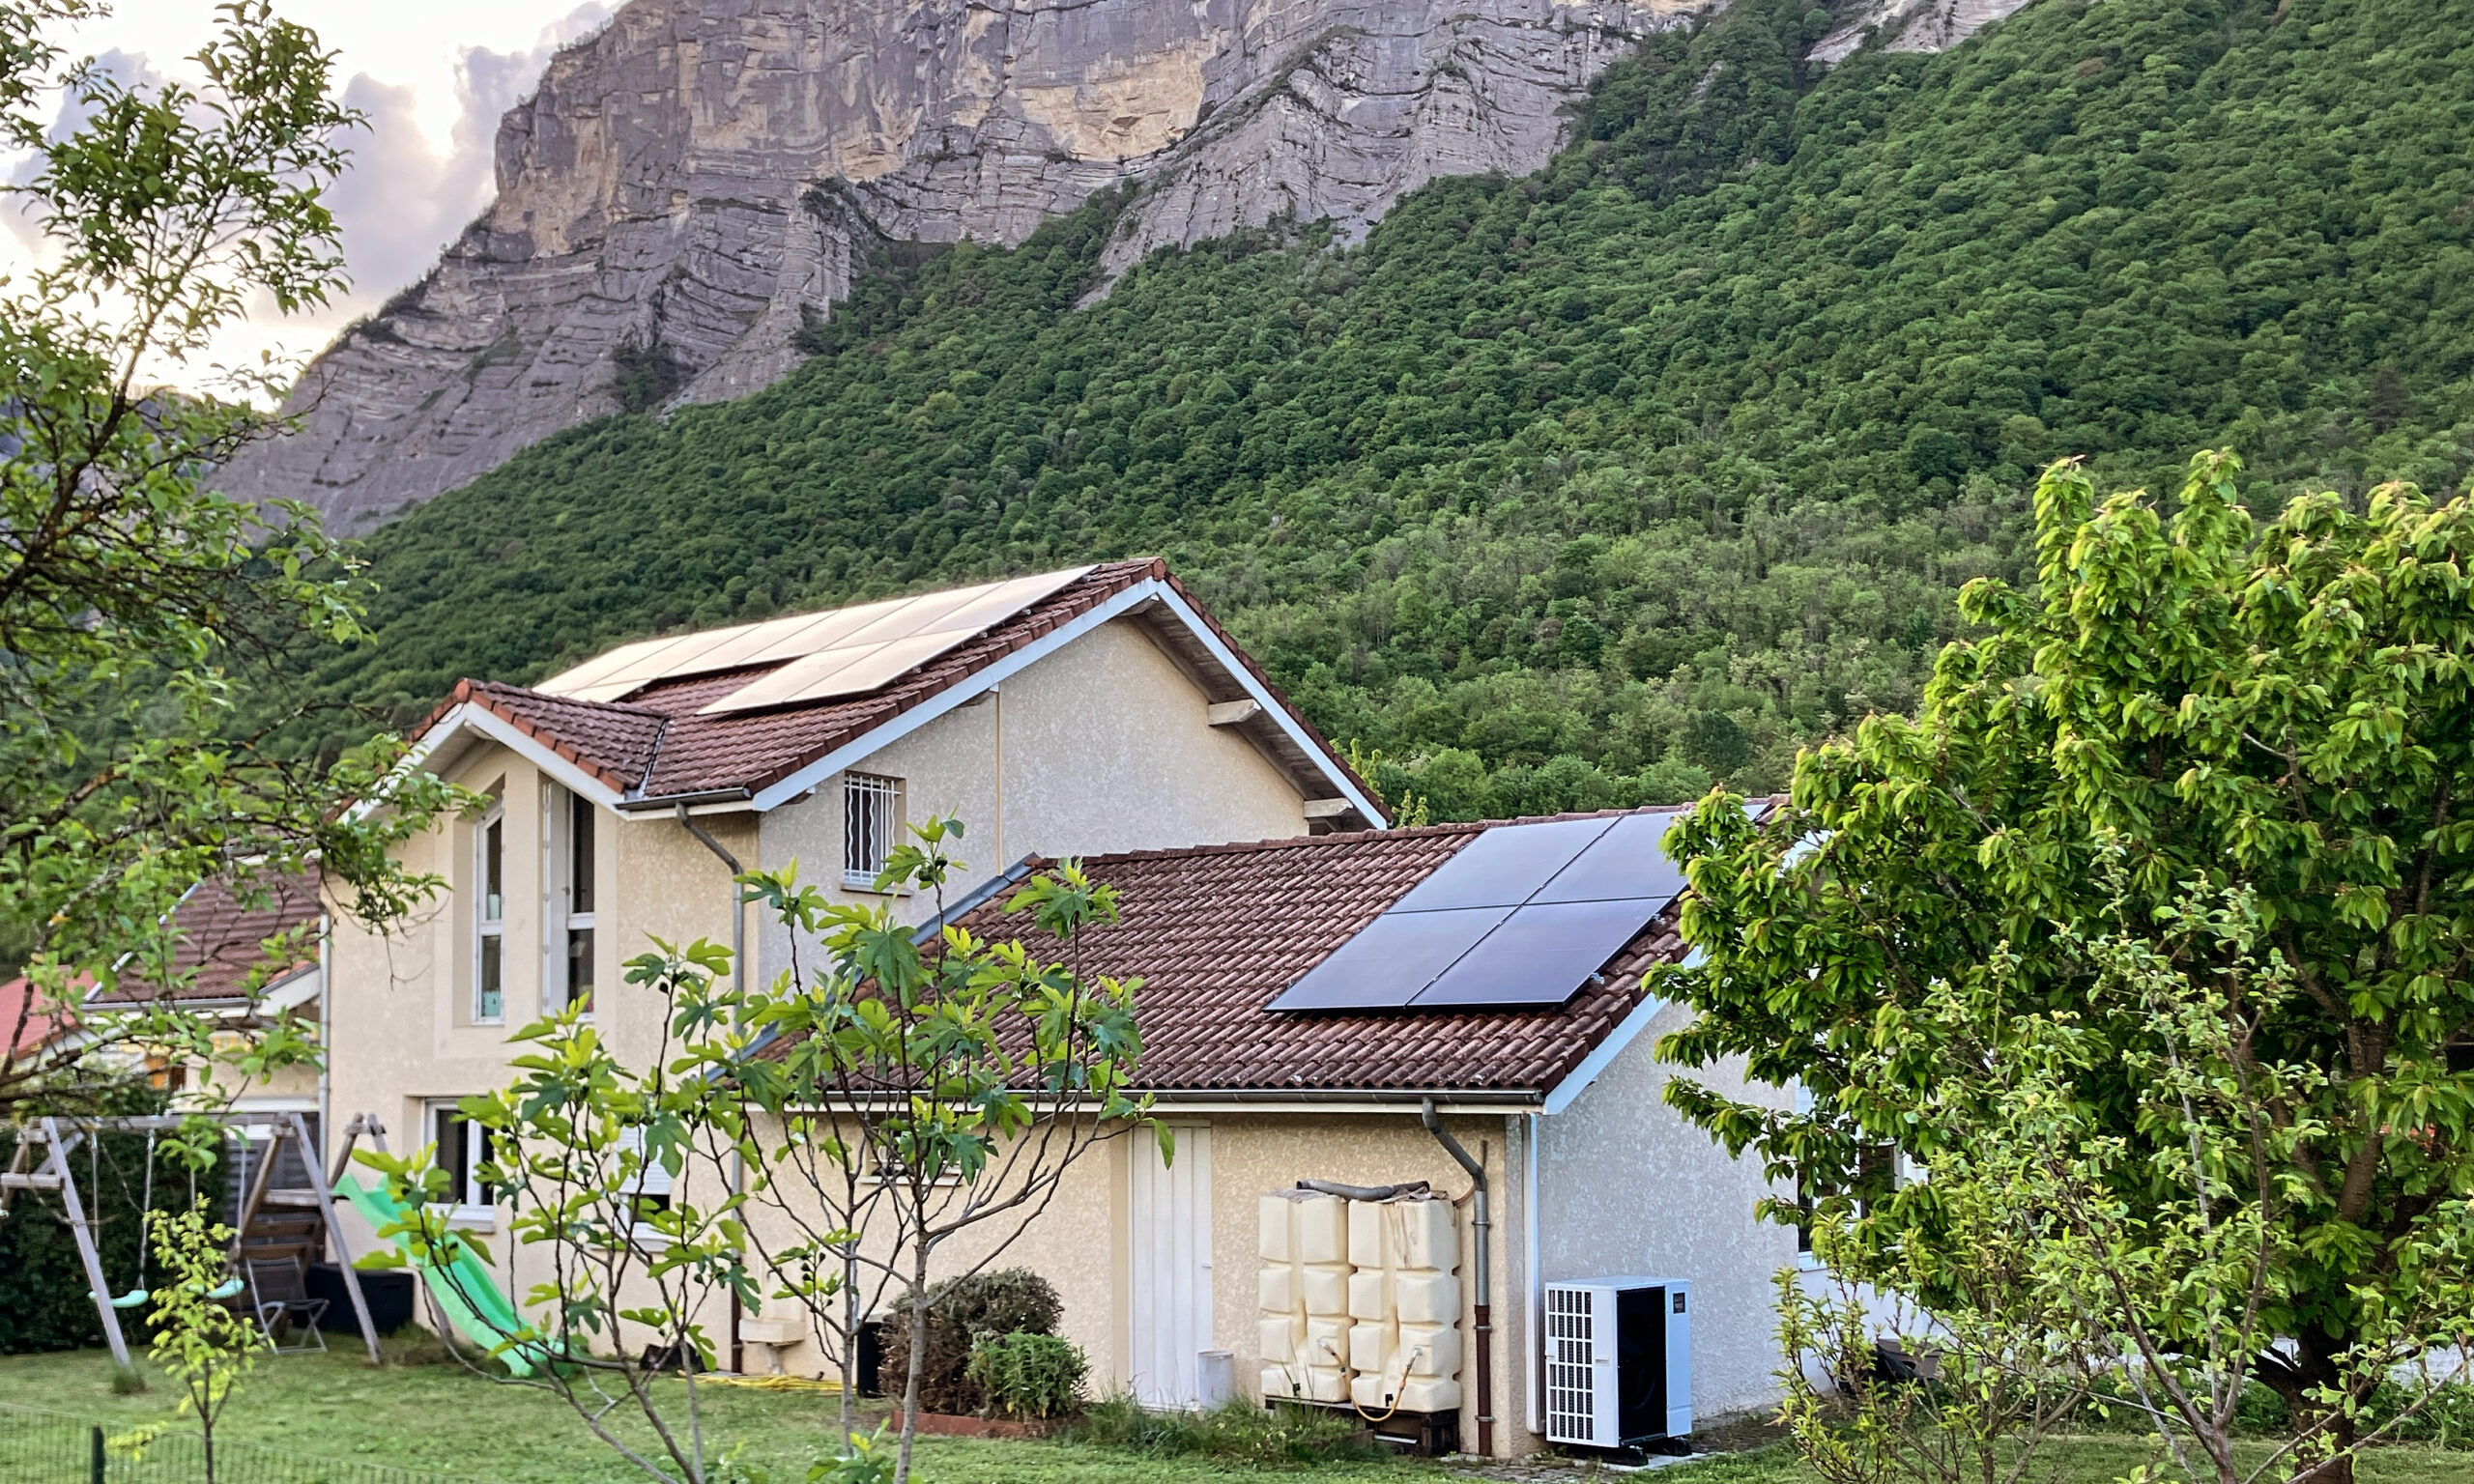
[883, 640]
[1503, 867]
[1540, 954]
[1625, 861]
[1390, 961]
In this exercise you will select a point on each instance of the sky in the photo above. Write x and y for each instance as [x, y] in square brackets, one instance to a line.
[433, 76]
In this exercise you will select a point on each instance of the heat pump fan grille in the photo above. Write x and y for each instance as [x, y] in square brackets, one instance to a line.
[1571, 1382]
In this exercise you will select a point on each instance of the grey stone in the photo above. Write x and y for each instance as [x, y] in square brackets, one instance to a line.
[689, 184]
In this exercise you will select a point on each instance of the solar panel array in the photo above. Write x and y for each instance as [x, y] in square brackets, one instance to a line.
[1521, 916]
[846, 651]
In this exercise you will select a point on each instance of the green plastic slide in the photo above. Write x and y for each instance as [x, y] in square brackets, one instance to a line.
[463, 1290]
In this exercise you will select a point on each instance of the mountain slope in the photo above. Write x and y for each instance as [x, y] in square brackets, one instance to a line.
[1584, 486]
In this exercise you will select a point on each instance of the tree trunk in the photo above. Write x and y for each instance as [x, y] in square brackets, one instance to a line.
[918, 1360]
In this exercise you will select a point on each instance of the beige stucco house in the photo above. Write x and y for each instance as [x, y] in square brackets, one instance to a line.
[1097, 714]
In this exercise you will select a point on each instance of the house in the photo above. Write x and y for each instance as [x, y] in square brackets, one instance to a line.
[241, 958]
[1098, 714]
[1530, 1050]
[1095, 709]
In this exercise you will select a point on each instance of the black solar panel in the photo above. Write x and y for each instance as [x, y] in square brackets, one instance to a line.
[1541, 955]
[1503, 867]
[1390, 959]
[1624, 862]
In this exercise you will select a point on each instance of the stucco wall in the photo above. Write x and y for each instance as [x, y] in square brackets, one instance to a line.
[1627, 1188]
[1103, 746]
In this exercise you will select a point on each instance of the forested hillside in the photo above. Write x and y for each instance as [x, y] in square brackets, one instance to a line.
[1589, 486]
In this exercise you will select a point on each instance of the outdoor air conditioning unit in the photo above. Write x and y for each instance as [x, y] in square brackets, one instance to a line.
[1619, 1361]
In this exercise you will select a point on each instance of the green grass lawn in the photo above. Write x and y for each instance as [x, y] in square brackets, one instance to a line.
[440, 1418]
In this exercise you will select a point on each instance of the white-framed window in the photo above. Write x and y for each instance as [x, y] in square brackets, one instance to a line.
[461, 1148]
[568, 896]
[489, 909]
[871, 824]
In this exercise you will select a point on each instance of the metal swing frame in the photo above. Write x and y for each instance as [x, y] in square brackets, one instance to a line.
[281, 1210]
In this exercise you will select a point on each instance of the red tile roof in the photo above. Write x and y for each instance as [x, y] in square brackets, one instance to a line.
[224, 941]
[655, 745]
[1216, 932]
[33, 1019]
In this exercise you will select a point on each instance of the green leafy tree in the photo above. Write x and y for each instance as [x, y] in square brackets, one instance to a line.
[206, 1346]
[920, 1089]
[2208, 707]
[587, 1156]
[137, 606]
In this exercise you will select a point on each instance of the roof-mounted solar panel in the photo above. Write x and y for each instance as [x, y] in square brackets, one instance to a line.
[1519, 918]
[1627, 860]
[871, 643]
[1540, 954]
[1504, 866]
[1390, 960]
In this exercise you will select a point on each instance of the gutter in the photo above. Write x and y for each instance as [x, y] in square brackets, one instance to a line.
[1484, 1316]
[641, 804]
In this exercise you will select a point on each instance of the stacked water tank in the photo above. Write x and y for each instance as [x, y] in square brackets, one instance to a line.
[1305, 1295]
[1361, 1302]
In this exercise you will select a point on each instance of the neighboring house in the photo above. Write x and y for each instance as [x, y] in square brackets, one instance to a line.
[241, 963]
[1542, 1068]
[1072, 713]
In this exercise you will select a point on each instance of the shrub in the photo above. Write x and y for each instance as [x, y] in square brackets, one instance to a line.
[1006, 1301]
[1282, 1434]
[1026, 1375]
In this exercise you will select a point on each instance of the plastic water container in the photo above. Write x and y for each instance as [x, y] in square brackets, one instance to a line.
[1322, 1228]
[1326, 1383]
[1425, 1236]
[1280, 1338]
[1370, 1348]
[1326, 1343]
[1326, 1288]
[1278, 1290]
[1371, 1226]
[1425, 1297]
[1430, 1351]
[1274, 1241]
[1371, 1294]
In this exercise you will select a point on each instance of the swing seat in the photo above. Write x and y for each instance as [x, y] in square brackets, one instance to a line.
[130, 1299]
[229, 1288]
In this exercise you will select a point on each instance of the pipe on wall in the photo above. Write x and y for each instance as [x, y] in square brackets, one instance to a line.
[739, 984]
[1483, 1324]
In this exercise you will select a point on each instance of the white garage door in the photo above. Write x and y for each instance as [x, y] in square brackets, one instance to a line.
[1170, 1289]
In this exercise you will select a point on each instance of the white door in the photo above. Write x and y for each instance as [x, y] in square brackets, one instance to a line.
[1170, 1288]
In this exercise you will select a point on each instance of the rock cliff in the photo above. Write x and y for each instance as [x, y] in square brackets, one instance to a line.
[688, 183]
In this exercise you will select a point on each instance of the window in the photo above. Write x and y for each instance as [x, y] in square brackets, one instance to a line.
[568, 836]
[489, 978]
[871, 817]
[463, 1146]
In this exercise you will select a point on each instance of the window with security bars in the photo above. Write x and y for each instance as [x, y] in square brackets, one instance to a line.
[871, 819]
[1572, 1379]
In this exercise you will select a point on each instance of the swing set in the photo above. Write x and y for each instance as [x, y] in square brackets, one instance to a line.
[269, 1247]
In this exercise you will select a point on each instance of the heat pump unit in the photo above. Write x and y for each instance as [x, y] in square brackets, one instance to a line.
[1619, 1361]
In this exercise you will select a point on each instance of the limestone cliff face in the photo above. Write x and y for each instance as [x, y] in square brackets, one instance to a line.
[689, 182]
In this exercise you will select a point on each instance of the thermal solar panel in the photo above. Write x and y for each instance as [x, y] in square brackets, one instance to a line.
[868, 631]
[1503, 867]
[1540, 956]
[1627, 860]
[1390, 961]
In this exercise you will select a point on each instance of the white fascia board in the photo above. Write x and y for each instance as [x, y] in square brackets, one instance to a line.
[1287, 718]
[1577, 1081]
[291, 993]
[869, 743]
[481, 721]
[1606, 1052]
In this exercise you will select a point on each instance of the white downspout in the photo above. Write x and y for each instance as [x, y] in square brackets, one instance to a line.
[1529, 1218]
[326, 1040]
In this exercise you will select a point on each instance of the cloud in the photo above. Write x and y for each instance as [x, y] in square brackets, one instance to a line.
[20, 214]
[402, 200]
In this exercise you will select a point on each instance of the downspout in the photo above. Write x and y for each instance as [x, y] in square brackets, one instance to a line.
[738, 986]
[326, 1040]
[1483, 1326]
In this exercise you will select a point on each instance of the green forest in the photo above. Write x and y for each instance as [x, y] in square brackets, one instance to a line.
[1594, 486]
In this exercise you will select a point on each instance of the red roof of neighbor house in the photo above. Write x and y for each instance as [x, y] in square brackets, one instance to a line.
[653, 745]
[1216, 932]
[42, 1020]
[224, 940]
